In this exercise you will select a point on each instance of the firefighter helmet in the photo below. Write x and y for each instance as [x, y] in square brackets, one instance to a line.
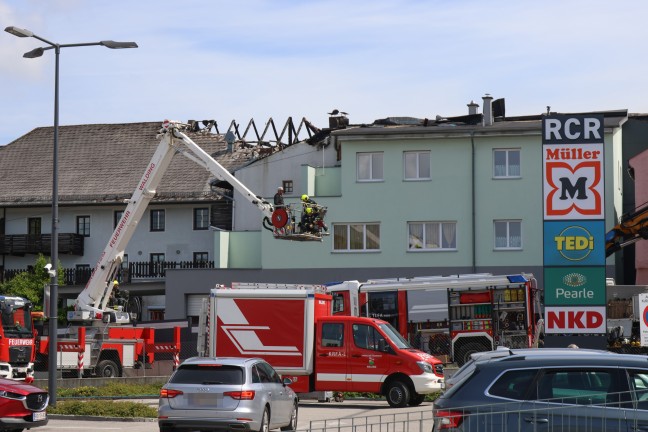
[304, 197]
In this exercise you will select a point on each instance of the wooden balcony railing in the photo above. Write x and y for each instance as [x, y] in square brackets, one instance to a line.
[26, 244]
[135, 271]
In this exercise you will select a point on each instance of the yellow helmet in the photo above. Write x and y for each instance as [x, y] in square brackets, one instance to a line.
[309, 210]
[115, 283]
[304, 197]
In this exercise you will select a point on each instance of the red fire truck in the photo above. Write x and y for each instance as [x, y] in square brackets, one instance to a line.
[449, 315]
[293, 330]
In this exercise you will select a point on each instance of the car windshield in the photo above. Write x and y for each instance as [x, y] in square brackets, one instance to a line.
[208, 374]
[396, 338]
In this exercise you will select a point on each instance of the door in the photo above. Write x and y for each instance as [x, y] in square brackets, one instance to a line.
[589, 399]
[370, 358]
[280, 401]
[331, 361]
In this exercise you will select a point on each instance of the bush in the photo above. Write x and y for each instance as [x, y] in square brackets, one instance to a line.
[103, 409]
[111, 390]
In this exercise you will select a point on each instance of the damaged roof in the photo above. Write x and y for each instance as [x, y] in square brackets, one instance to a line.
[102, 164]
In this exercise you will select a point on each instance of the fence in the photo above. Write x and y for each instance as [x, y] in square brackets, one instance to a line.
[416, 421]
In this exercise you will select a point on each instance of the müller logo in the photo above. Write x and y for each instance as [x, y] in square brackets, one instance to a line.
[146, 176]
[573, 181]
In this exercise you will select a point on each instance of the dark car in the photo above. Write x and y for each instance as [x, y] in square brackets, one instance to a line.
[546, 389]
[22, 406]
[225, 393]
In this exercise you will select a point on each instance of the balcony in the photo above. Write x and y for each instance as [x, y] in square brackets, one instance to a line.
[143, 270]
[34, 244]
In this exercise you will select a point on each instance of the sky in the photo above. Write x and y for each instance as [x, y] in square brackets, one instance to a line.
[260, 59]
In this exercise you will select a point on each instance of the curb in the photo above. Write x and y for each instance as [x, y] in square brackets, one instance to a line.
[98, 418]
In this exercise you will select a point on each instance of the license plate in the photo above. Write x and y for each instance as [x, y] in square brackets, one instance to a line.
[41, 415]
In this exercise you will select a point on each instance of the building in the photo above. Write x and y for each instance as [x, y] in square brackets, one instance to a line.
[406, 197]
[99, 168]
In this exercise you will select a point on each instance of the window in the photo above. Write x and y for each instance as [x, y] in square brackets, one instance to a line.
[287, 186]
[416, 165]
[82, 273]
[83, 226]
[432, 236]
[201, 218]
[367, 337]
[356, 237]
[200, 259]
[639, 387]
[117, 217]
[369, 167]
[508, 234]
[580, 387]
[333, 335]
[34, 226]
[156, 314]
[513, 384]
[506, 163]
[157, 220]
[157, 257]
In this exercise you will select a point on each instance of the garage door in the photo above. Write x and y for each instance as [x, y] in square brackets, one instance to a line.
[194, 304]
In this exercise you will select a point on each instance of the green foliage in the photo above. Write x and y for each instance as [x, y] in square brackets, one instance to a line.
[103, 408]
[111, 390]
[30, 283]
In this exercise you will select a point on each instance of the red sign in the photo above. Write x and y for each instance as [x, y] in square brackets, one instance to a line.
[575, 319]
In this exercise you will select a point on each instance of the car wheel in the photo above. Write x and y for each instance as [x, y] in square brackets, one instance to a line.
[416, 399]
[398, 395]
[265, 421]
[292, 426]
[107, 369]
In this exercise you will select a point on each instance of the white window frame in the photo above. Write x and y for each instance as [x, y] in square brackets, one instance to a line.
[509, 169]
[511, 242]
[423, 244]
[358, 225]
[419, 165]
[373, 171]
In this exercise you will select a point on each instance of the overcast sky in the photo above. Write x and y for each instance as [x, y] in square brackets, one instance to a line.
[243, 59]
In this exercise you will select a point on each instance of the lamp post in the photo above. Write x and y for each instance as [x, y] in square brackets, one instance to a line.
[53, 312]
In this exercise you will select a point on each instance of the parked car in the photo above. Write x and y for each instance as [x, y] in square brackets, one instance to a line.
[545, 389]
[22, 406]
[228, 393]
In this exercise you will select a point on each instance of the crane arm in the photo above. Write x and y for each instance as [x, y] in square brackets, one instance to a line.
[92, 301]
[632, 228]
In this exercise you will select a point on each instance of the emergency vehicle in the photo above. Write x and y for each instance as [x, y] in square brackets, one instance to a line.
[99, 339]
[449, 315]
[17, 352]
[294, 330]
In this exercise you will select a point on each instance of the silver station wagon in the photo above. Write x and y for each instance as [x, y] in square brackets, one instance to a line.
[220, 393]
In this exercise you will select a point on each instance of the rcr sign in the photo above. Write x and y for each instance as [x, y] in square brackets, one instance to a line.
[560, 129]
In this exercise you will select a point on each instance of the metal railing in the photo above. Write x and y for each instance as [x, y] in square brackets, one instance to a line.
[412, 421]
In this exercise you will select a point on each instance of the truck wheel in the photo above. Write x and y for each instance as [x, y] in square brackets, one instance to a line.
[416, 399]
[265, 421]
[398, 395]
[464, 353]
[107, 369]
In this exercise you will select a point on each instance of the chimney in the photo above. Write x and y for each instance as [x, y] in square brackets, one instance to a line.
[472, 108]
[488, 110]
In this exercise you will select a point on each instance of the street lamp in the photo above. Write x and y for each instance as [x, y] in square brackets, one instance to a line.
[53, 312]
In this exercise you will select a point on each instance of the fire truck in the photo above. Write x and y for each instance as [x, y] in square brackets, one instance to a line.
[293, 329]
[450, 315]
[17, 352]
[101, 339]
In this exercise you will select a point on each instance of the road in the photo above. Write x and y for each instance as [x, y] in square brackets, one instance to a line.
[311, 414]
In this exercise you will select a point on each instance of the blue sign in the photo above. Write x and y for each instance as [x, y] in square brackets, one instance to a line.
[574, 243]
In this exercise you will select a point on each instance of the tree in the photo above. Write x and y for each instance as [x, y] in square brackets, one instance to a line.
[30, 283]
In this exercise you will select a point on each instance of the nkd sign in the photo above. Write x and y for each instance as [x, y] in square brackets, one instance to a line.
[573, 167]
[575, 320]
